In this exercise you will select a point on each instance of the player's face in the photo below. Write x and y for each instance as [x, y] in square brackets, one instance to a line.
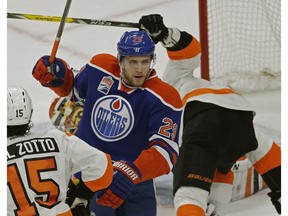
[135, 70]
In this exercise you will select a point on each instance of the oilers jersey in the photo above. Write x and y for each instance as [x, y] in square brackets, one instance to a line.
[136, 124]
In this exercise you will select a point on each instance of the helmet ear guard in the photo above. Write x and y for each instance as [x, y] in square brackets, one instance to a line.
[19, 106]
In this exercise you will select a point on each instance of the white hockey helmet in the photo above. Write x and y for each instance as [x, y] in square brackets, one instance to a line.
[19, 106]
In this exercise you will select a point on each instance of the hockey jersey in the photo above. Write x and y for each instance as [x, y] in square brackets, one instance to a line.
[40, 165]
[136, 124]
[179, 73]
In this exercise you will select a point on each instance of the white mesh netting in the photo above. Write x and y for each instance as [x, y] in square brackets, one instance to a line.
[245, 43]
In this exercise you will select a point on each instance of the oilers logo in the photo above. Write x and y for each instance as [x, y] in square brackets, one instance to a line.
[112, 118]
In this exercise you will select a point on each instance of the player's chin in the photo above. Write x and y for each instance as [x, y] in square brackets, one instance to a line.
[138, 82]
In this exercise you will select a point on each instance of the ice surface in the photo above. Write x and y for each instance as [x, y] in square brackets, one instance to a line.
[28, 40]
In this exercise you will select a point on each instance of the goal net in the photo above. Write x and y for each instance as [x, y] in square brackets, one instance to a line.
[241, 43]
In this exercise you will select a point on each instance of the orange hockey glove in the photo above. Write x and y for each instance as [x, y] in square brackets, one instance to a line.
[126, 176]
[58, 76]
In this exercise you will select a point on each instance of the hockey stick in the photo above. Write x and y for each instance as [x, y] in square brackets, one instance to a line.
[59, 32]
[72, 20]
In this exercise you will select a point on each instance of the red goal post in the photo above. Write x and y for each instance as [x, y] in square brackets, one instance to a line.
[241, 43]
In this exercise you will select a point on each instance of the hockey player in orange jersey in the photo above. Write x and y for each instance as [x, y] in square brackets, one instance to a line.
[217, 126]
[40, 164]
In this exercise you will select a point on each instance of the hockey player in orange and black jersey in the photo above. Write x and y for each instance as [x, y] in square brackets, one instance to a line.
[41, 163]
[217, 126]
[129, 113]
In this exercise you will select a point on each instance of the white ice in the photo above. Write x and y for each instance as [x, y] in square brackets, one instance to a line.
[29, 40]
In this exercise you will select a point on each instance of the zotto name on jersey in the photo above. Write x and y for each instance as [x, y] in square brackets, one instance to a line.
[33, 146]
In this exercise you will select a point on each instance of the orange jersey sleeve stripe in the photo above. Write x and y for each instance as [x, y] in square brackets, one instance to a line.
[174, 156]
[270, 161]
[202, 91]
[224, 178]
[190, 209]
[190, 51]
[105, 180]
[107, 62]
[151, 164]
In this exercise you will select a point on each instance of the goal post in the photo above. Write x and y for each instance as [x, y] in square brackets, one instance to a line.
[241, 43]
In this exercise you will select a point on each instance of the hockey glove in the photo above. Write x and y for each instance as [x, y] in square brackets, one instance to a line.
[79, 193]
[80, 210]
[126, 176]
[50, 76]
[154, 25]
[77, 198]
[71, 193]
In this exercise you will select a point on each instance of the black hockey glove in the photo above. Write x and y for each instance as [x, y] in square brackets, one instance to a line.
[78, 197]
[154, 25]
[80, 210]
[77, 191]
[71, 193]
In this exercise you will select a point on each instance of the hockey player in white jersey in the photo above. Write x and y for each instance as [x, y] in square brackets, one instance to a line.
[217, 126]
[41, 163]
